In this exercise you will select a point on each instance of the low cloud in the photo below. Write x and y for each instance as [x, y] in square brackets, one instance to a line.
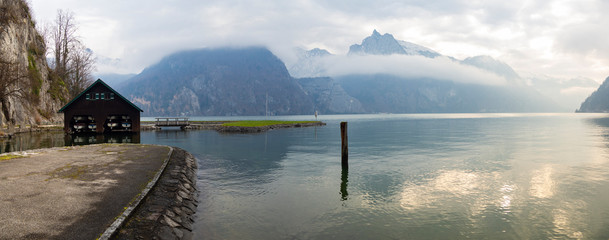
[407, 66]
[561, 38]
[578, 91]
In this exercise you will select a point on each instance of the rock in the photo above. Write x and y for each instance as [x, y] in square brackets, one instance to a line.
[167, 213]
[21, 42]
[166, 233]
[178, 233]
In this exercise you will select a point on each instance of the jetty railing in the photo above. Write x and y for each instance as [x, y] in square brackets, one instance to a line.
[171, 122]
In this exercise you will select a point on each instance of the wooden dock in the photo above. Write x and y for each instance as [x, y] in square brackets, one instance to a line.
[171, 122]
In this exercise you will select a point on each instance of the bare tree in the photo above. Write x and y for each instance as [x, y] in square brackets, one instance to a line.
[82, 64]
[64, 38]
[14, 83]
[73, 62]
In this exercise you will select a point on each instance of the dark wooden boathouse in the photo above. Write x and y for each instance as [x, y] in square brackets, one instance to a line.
[101, 109]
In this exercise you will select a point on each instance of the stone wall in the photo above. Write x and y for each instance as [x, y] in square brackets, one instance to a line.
[168, 210]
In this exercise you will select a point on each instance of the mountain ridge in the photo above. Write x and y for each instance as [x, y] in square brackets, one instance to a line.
[598, 101]
[240, 81]
[222, 81]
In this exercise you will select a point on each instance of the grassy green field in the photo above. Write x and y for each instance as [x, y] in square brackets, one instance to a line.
[262, 123]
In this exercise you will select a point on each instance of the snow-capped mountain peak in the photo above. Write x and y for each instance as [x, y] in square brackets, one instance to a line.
[386, 44]
[415, 49]
[309, 63]
[377, 44]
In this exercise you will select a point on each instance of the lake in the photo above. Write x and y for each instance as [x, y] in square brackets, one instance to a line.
[410, 176]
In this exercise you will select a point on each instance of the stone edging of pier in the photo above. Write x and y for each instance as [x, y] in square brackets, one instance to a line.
[167, 212]
[110, 231]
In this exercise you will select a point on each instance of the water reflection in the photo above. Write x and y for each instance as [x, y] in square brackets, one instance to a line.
[27, 141]
[35, 140]
[453, 184]
[506, 200]
[542, 184]
[344, 180]
[94, 138]
[236, 160]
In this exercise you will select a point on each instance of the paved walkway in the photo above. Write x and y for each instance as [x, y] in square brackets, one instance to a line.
[72, 192]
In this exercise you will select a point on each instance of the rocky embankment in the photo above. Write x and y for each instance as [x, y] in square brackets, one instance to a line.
[168, 211]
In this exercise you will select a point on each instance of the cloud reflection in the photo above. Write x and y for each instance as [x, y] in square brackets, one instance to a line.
[564, 223]
[454, 182]
[542, 184]
[506, 199]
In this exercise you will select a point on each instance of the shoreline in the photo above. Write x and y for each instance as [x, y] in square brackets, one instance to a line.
[167, 212]
[149, 126]
[219, 127]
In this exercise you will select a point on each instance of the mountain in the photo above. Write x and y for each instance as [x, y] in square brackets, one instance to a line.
[377, 44]
[23, 47]
[218, 82]
[106, 64]
[414, 49]
[382, 93]
[569, 93]
[386, 44]
[115, 80]
[241, 81]
[492, 65]
[309, 63]
[598, 101]
[329, 97]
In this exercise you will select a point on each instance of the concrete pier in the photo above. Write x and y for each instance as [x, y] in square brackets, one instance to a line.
[77, 192]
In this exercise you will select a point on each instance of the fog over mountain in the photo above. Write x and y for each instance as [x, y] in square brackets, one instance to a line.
[490, 64]
[569, 93]
[115, 80]
[379, 75]
[309, 63]
[383, 54]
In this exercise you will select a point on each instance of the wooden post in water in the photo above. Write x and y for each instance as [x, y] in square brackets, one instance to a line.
[345, 145]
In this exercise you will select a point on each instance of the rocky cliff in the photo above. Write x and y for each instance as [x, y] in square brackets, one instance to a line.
[21, 43]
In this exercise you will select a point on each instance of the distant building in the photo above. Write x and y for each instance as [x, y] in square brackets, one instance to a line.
[100, 109]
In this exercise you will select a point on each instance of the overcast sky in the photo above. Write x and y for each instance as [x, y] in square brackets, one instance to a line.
[559, 38]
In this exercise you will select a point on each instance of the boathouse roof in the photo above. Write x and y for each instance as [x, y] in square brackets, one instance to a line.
[99, 81]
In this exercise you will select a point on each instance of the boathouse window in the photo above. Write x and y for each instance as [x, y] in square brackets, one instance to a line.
[103, 96]
[88, 96]
[111, 95]
[96, 96]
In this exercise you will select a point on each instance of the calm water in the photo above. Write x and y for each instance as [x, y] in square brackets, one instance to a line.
[450, 176]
